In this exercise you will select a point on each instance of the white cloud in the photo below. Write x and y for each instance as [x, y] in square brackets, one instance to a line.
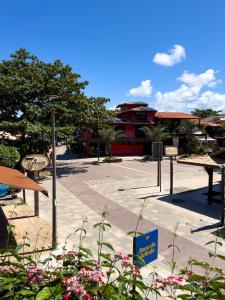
[213, 100]
[208, 78]
[144, 90]
[176, 54]
[181, 99]
[187, 98]
[191, 94]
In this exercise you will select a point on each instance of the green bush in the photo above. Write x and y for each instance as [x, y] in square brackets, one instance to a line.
[9, 156]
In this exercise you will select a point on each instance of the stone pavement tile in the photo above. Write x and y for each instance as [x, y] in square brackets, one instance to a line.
[166, 214]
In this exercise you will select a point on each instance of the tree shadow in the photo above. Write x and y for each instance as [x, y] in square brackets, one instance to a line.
[64, 170]
[137, 188]
[196, 201]
[7, 239]
[220, 232]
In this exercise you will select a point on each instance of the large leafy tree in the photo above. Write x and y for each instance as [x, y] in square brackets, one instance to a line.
[26, 88]
[204, 113]
[189, 128]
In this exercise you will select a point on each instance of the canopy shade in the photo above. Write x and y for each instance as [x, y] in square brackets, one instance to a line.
[17, 179]
[203, 161]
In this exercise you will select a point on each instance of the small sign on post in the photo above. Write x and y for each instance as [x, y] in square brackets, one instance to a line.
[34, 163]
[171, 151]
[145, 248]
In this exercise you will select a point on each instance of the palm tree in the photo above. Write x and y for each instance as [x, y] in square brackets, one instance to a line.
[188, 128]
[110, 135]
[156, 134]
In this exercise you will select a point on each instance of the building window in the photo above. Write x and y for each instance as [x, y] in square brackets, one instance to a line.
[141, 116]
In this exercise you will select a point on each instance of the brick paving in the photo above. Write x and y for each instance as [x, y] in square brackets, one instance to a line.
[32, 232]
[83, 190]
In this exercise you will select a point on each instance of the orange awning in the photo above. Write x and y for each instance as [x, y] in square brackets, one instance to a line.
[17, 179]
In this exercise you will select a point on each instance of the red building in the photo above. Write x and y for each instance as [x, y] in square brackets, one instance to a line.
[131, 117]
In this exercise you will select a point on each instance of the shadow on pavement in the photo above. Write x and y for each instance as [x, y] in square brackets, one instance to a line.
[220, 232]
[196, 201]
[7, 239]
[64, 170]
[137, 188]
[207, 227]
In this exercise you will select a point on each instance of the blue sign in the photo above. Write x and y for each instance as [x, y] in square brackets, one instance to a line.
[146, 247]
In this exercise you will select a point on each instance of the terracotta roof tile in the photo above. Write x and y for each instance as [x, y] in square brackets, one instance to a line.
[174, 115]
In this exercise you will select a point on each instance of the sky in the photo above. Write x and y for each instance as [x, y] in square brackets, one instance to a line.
[167, 53]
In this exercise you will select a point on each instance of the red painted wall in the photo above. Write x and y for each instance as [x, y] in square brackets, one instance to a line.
[126, 149]
[130, 130]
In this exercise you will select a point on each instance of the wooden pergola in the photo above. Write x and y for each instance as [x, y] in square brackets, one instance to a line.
[210, 163]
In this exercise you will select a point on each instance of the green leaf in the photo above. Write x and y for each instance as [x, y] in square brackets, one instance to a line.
[221, 256]
[26, 293]
[43, 295]
[108, 245]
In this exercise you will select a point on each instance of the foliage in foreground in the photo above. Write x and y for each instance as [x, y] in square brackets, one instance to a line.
[9, 156]
[109, 275]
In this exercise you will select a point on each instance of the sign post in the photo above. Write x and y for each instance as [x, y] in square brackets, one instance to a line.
[145, 248]
[171, 151]
[34, 163]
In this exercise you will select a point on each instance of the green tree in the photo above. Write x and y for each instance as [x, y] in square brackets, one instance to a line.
[204, 113]
[9, 156]
[156, 134]
[110, 135]
[188, 128]
[25, 86]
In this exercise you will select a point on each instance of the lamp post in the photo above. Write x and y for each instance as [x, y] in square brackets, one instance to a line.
[54, 215]
[98, 142]
[54, 231]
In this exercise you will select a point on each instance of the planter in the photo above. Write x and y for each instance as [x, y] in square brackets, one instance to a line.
[112, 159]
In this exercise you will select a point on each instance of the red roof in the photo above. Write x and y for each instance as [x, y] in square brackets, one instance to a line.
[17, 179]
[174, 115]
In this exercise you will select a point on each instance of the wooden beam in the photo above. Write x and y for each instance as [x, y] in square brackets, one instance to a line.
[210, 184]
[171, 175]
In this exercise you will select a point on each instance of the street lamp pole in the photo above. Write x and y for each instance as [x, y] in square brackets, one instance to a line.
[54, 231]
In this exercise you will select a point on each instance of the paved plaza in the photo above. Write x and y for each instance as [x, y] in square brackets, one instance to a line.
[84, 190]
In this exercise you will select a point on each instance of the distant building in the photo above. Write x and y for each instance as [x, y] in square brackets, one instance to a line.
[131, 117]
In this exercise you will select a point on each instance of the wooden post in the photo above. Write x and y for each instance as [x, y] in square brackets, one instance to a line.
[171, 175]
[210, 184]
[24, 196]
[222, 196]
[36, 198]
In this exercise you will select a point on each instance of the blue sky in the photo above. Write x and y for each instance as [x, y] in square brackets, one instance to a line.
[113, 43]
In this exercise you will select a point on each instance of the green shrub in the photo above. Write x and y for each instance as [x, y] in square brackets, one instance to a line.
[9, 156]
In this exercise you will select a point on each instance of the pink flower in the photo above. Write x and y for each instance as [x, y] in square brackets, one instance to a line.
[36, 275]
[59, 257]
[72, 284]
[7, 269]
[126, 262]
[94, 276]
[136, 272]
[70, 254]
